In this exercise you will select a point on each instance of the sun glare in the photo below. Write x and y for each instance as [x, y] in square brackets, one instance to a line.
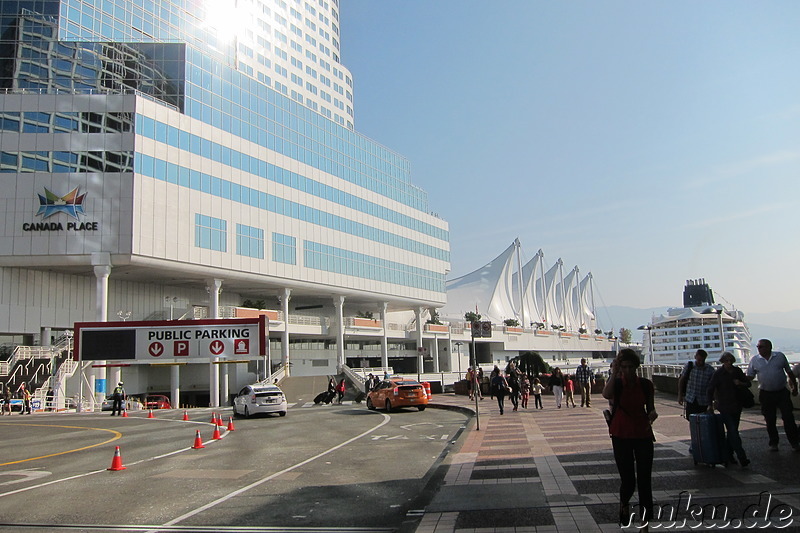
[225, 17]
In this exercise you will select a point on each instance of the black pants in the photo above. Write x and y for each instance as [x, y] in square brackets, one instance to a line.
[500, 399]
[771, 401]
[116, 407]
[634, 458]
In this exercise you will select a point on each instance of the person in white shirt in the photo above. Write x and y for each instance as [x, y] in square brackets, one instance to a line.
[772, 369]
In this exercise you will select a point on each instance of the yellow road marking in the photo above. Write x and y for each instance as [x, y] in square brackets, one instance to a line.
[117, 435]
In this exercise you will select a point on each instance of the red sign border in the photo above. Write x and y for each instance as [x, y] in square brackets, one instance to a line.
[261, 322]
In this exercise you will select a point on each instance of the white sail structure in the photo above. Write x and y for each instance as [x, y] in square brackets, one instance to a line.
[504, 288]
[554, 296]
[487, 290]
[533, 288]
[569, 288]
[587, 316]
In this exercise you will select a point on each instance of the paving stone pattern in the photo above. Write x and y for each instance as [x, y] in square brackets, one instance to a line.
[552, 470]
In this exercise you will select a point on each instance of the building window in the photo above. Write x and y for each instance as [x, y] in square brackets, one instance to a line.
[284, 249]
[249, 241]
[210, 233]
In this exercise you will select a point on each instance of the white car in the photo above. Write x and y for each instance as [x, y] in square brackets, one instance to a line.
[255, 399]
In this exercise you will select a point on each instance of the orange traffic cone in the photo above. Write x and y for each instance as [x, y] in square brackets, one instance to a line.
[116, 462]
[214, 418]
[216, 435]
[230, 424]
[125, 413]
[151, 415]
[198, 442]
[185, 416]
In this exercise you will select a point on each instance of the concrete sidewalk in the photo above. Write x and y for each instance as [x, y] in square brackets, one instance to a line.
[552, 470]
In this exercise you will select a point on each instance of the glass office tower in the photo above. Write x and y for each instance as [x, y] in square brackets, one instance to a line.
[170, 148]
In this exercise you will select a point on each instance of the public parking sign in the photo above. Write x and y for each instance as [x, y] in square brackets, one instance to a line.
[171, 341]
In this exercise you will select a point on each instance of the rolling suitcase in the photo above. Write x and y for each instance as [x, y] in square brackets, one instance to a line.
[709, 445]
[324, 397]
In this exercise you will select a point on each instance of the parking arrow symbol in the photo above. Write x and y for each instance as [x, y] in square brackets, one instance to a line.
[217, 347]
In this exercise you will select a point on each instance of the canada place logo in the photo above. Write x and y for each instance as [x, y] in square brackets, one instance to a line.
[71, 204]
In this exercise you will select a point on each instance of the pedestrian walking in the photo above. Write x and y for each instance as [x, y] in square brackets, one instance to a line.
[723, 393]
[340, 389]
[537, 389]
[569, 391]
[6, 401]
[525, 390]
[585, 378]
[693, 384]
[556, 385]
[26, 399]
[631, 433]
[500, 389]
[772, 369]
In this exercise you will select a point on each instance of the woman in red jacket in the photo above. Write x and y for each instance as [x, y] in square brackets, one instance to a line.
[340, 388]
[632, 433]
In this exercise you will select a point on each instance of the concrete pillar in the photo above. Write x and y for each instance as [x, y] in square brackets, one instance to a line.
[224, 382]
[338, 303]
[284, 297]
[420, 361]
[101, 261]
[385, 337]
[175, 385]
[435, 353]
[213, 379]
[214, 287]
[44, 334]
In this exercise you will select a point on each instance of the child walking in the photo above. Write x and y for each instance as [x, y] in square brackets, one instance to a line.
[537, 389]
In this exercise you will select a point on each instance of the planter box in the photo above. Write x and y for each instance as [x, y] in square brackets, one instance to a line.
[513, 329]
[438, 328]
[586, 336]
[244, 312]
[356, 322]
[543, 332]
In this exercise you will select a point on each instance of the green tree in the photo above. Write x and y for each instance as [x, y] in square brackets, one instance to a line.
[531, 363]
[434, 319]
[511, 322]
[624, 335]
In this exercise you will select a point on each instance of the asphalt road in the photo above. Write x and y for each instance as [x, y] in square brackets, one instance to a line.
[319, 468]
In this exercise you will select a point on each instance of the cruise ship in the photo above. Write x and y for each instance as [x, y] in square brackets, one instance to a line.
[701, 323]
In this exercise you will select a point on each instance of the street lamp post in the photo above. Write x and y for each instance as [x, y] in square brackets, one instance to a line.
[721, 330]
[170, 301]
[458, 355]
[649, 329]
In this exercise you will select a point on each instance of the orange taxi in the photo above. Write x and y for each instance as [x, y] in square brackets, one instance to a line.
[397, 392]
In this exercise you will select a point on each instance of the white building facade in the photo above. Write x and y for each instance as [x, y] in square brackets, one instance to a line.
[179, 158]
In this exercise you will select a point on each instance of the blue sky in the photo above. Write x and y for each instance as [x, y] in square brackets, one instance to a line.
[646, 142]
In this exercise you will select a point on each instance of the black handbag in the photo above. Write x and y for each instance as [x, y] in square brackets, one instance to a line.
[745, 397]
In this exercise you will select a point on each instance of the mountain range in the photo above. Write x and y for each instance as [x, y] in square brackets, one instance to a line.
[782, 328]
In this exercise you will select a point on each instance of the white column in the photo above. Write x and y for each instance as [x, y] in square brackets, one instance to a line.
[175, 385]
[435, 349]
[385, 338]
[284, 297]
[338, 303]
[213, 286]
[44, 336]
[116, 377]
[420, 361]
[213, 379]
[224, 382]
[102, 269]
